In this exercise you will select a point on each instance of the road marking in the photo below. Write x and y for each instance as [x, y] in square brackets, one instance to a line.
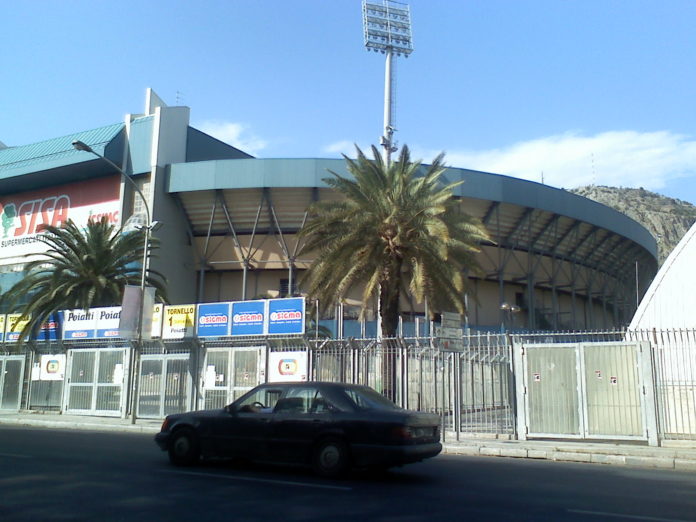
[621, 515]
[267, 481]
[15, 456]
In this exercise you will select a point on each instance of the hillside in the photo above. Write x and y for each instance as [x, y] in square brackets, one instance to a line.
[667, 219]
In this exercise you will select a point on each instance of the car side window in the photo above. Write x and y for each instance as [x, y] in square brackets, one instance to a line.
[303, 400]
[320, 404]
[262, 401]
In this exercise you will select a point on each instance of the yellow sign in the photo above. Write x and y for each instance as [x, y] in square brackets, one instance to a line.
[15, 326]
[157, 320]
[179, 321]
[2, 327]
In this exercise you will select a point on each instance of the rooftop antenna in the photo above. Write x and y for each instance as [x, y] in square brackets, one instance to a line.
[594, 174]
[387, 28]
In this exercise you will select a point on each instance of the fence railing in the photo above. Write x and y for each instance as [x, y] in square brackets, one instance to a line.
[471, 384]
[472, 388]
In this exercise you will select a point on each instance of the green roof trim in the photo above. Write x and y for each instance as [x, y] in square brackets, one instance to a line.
[56, 152]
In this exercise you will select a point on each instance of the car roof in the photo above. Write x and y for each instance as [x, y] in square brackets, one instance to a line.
[318, 384]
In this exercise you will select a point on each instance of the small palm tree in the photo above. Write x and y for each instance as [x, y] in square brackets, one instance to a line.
[397, 230]
[80, 270]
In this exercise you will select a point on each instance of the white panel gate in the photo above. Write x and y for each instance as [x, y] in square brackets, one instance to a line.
[95, 382]
[587, 391]
[11, 375]
[228, 373]
[165, 385]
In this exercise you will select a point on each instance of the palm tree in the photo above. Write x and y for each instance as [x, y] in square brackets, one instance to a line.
[80, 270]
[398, 230]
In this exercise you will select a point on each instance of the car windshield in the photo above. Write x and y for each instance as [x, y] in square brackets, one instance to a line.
[368, 399]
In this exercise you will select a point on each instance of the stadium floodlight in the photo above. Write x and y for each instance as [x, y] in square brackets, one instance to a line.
[387, 29]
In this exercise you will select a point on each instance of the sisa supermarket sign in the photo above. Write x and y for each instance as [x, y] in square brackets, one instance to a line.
[23, 216]
[260, 317]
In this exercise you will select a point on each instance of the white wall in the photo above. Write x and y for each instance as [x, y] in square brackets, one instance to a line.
[670, 301]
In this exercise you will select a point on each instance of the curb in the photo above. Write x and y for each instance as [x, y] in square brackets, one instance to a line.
[87, 426]
[665, 459]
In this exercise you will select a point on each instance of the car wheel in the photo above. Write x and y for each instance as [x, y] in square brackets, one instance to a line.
[184, 449]
[331, 458]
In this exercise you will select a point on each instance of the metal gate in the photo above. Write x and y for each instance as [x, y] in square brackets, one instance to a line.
[95, 381]
[228, 373]
[588, 391]
[165, 385]
[11, 374]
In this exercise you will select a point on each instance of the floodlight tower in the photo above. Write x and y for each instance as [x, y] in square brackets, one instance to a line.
[387, 27]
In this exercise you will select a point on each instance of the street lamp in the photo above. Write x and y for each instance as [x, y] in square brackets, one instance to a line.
[148, 227]
[509, 310]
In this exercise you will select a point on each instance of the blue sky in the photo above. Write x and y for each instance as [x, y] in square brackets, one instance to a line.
[579, 92]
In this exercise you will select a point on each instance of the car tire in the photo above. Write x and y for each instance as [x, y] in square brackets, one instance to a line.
[331, 458]
[184, 449]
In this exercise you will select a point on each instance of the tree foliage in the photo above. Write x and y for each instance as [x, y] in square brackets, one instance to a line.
[80, 269]
[397, 230]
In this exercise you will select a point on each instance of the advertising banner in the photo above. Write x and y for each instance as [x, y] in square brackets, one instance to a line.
[2, 327]
[50, 330]
[287, 366]
[107, 320]
[286, 316]
[24, 215]
[248, 318]
[179, 321]
[157, 310]
[78, 324]
[213, 320]
[14, 327]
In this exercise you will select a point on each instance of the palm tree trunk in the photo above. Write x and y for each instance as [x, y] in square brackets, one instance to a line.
[389, 309]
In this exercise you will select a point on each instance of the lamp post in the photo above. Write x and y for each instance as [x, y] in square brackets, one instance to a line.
[508, 310]
[79, 145]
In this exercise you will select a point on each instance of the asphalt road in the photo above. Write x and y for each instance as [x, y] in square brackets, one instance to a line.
[77, 475]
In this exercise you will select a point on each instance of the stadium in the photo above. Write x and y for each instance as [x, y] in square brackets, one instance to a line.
[557, 261]
[227, 224]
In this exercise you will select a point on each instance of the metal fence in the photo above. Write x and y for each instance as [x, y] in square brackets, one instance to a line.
[471, 386]
[674, 365]
[471, 383]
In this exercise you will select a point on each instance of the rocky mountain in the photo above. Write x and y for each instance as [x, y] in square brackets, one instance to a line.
[667, 219]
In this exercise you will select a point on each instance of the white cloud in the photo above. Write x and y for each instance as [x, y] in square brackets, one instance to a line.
[236, 134]
[346, 147]
[616, 158]
[340, 147]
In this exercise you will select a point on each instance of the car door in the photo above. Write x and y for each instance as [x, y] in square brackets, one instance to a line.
[298, 419]
[243, 430]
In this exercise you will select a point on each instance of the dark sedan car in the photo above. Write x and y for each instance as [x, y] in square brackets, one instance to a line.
[329, 426]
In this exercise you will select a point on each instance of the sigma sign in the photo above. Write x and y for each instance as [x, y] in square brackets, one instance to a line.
[286, 316]
[247, 318]
[260, 317]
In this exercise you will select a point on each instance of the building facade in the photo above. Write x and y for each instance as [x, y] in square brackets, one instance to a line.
[230, 223]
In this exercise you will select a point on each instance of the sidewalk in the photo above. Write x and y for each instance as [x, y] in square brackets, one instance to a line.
[669, 456]
[672, 455]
